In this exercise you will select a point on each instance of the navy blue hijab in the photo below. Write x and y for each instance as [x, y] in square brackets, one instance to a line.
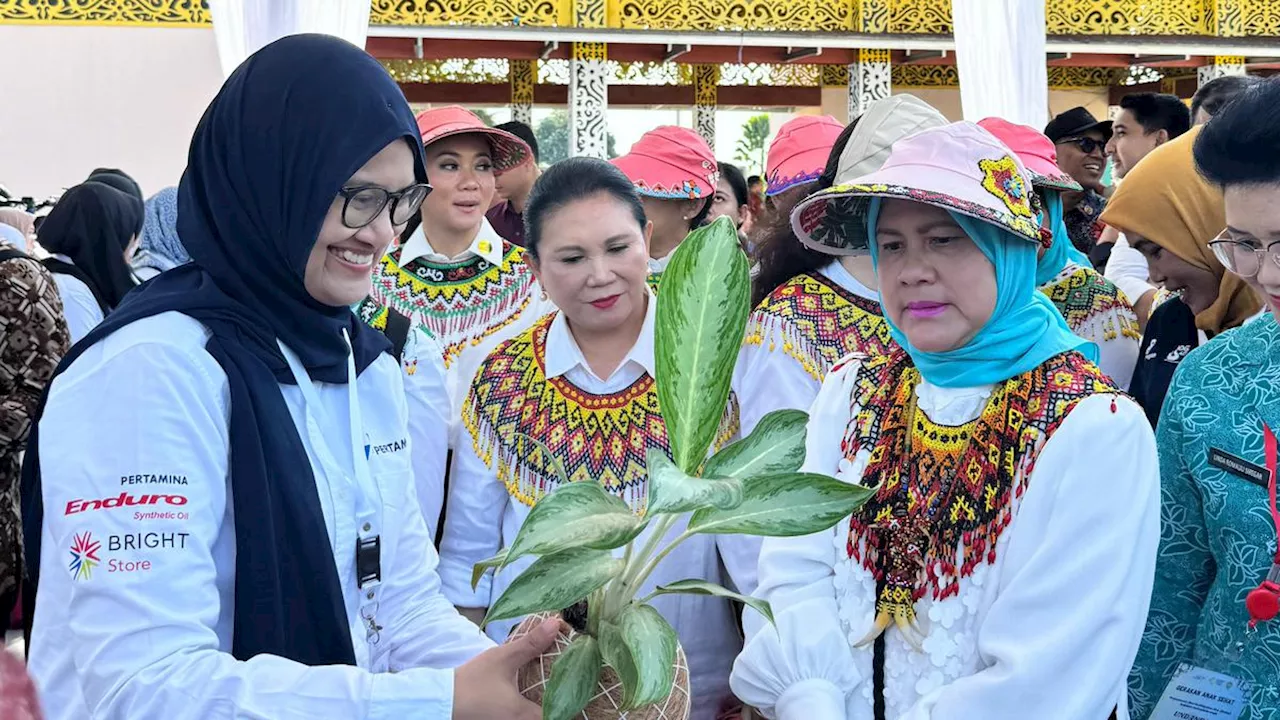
[288, 129]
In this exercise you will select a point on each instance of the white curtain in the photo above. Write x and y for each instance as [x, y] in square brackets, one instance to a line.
[242, 27]
[1001, 59]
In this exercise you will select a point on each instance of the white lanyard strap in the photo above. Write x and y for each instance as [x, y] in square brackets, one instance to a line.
[368, 496]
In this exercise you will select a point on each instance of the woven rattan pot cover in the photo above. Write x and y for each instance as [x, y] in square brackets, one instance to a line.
[604, 705]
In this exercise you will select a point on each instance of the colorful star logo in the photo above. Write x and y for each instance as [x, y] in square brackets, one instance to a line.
[1003, 179]
[84, 556]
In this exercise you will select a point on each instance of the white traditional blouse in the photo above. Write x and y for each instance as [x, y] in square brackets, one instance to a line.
[1037, 608]
[1100, 313]
[797, 333]
[600, 428]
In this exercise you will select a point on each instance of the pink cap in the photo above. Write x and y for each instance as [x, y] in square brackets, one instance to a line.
[671, 162]
[799, 153]
[958, 167]
[1035, 150]
[508, 150]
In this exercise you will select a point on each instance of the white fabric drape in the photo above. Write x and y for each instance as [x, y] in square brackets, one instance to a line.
[242, 27]
[1001, 58]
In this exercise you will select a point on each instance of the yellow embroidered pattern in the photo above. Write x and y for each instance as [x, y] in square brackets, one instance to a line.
[1094, 308]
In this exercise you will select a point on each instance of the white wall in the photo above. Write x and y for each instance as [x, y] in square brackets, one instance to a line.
[76, 98]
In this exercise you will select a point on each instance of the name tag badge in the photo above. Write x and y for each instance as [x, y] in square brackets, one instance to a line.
[1239, 467]
[1199, 694]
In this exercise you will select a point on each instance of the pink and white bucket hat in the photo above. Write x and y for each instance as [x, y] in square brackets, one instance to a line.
[958, 167]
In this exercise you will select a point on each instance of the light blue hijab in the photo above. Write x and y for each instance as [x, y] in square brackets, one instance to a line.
[159, 246]
[1062, 250]
[1025, 328]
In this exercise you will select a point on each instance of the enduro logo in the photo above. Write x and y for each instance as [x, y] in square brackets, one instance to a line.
[124, 499]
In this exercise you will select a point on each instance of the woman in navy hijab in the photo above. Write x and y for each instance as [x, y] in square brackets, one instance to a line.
[218, 498]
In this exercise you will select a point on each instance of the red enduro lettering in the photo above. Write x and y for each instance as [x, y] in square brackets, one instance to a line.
[124, 499]
[128, 566]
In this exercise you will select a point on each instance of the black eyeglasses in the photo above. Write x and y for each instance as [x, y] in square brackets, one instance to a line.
[362, 205]
[1086, 144]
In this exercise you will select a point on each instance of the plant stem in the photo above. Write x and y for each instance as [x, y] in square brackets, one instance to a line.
[622, 591]
[653, 564]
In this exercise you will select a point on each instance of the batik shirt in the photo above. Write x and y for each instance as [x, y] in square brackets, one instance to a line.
[33, 339]
[1217, 538]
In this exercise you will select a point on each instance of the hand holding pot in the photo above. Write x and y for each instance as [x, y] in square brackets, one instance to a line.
[485, 687]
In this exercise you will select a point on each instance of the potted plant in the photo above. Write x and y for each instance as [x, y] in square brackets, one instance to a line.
[623, 658]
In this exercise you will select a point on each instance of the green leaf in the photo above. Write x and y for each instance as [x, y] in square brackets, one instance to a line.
[484, 566]
[551, 458]
[576, 515]
[701, 317]
[641, 647]
[672, 491]
[573, 681]
[775, 446]
[702, 587]
[554, 582]
[785, 505]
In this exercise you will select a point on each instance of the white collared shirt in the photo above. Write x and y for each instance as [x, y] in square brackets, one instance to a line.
[486, 244]
[482, 517]
[146, 631]
[79, 306]
[768, 379]
[1047, 630]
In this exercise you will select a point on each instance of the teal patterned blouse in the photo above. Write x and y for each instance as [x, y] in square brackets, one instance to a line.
[1217, 538]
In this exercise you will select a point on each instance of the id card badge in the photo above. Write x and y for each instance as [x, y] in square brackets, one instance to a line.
[1199, 694]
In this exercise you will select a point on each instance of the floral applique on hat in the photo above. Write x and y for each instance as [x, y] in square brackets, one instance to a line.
[1005, 180]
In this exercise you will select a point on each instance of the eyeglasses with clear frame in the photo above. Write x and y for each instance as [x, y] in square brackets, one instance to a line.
[1244, 258]
[362, 204]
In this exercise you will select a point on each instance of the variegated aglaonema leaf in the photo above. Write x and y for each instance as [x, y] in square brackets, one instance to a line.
[672, 491]
[641, 647]
[574, 677]
[576, 515]
[702, 587]
[775, 446]
[702, 313]
[548, 458]
[485, 566]
[554, 582]
[786, 505]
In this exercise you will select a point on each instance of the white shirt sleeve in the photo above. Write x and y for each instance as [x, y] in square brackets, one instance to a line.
[145, 644]
[427, 395]
[1060, 637]
[803, 668]
[768, 379]
[1128, 270]
[425, 630]
[472, 525]
[78, 306]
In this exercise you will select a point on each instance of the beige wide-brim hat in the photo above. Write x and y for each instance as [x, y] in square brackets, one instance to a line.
[958, 167]
[884, 123]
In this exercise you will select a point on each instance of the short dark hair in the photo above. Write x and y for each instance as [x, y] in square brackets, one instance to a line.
[731, 173]
[576, 179]
[1213, 95]
[525, 133]
[1158, 111]
[1241, 144]
[754, 180]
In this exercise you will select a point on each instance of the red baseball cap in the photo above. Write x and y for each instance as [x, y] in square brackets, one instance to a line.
[799, 152]
[1035, 150]
[508, 150]
[671, 162]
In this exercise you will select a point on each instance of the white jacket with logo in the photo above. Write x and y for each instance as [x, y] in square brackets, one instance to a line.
[135, 611]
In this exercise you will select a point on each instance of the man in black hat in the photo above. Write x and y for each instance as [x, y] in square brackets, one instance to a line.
[1081, 143]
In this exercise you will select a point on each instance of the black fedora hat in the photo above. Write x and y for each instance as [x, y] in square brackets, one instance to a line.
[1074, 123]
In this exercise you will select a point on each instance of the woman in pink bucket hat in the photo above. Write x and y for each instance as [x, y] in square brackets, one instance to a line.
[454, 288]
[675, 172]
[1003, 567]
[1094, 308]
